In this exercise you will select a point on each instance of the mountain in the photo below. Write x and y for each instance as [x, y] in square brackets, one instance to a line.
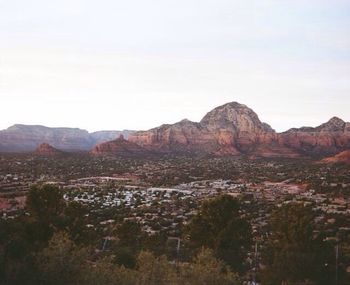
[25, 138]
[230, 129]
[343, 157]
[227, 129]
[45, 149]
[236, 126]
[120, 147]
[326, 139]
[235, 129]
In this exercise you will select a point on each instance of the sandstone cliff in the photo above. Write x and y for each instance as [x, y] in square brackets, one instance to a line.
[231, 129]
[328, 138]
[235, 129]
[25, 138]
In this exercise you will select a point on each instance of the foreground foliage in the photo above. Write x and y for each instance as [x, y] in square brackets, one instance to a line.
[296, 251]
[219, 226]
[62, 262]
[49, 244]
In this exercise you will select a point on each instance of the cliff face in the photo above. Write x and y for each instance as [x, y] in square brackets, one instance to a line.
[328, 138]
[229, 129]
[25, 138]
[236, 129]
[182, 136]
[236, 125]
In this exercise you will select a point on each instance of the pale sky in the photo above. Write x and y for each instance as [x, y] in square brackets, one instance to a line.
[136, 64]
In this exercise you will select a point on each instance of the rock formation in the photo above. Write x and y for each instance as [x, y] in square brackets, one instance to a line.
[235, 129]
[120, 147]
[231, 129]
[25, 138]
[45, 149]
[326, 139]
[343, 157]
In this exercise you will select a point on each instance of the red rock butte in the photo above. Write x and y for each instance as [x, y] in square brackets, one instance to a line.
[120, 146]
[235, 129]
[46, 149]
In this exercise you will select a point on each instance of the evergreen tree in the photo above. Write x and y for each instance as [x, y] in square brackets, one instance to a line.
[220, 227]
[296, 252]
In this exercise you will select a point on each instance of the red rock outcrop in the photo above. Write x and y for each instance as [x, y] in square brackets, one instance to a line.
[235, 129]
[230, 129]
[120, 147]
[237, 125]
[343, 157]
[328, 138]
[45, 149]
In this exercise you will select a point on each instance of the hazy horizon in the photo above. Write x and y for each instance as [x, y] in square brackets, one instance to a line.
[113, 65]
[128, 129]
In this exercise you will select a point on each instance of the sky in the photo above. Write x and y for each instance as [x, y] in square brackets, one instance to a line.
[136, 64]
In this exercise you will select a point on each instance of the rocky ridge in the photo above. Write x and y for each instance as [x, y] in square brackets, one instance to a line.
[235, 129]
[230, 129]
[25, 138]
[326, 139]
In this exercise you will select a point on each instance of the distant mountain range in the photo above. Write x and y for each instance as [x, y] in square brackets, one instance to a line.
[235, 129]
[26, 138]
[230, 129]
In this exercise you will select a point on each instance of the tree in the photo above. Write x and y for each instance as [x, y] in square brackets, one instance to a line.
[125, 257]
[45, 204]
[16, 261]
[49, 213]
[25, 235]
[233, 242]
[62, 262]
[129, 234]
[75, 223]
[155, 271]
[295, 253]
[155, 243]
[207, 270]
[219, 226]
[105, 272]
